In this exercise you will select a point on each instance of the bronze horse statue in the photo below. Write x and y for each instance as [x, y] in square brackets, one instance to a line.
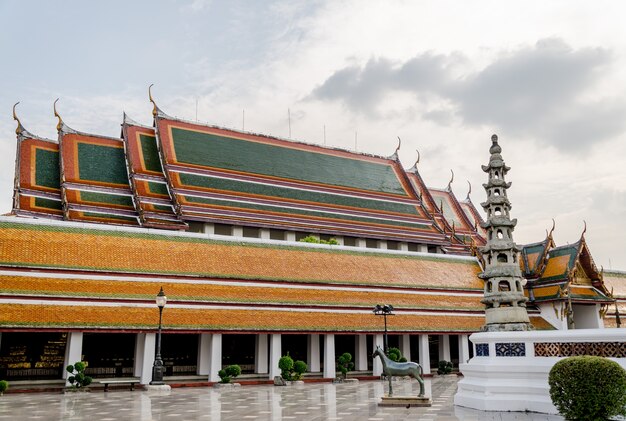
[392, 368]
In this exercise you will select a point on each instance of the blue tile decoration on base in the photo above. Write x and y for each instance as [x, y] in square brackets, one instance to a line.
[515, 349]
[482, 350]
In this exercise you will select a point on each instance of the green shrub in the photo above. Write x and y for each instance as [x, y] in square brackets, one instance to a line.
[444, 367]
[394, 354]
[228, 373]
[285, 363]
[299, 368]
[588, 388]
[345, 364]
[77, 377]
[315, 240]
[4, 385]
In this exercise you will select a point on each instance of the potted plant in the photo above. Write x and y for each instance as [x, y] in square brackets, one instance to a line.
[4, 385]
[227, 374]
[345, 364]
[77, 378]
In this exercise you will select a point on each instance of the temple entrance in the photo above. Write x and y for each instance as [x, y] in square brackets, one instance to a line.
[345, 343]
[32, 356]
[296, 345]
[239, 349]
[109, 354]
[180, 354]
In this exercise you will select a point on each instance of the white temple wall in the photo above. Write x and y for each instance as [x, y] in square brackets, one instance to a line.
[587, 316]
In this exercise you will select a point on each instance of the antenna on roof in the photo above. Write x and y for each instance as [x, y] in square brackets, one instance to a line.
[289, 118]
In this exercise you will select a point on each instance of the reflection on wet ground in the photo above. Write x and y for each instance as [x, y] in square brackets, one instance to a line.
[312, 401]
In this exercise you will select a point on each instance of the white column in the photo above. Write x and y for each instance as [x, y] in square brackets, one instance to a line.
[378, 366]
[330, 372]
[422, 248]
[381, 244]
[275, 354]
[264, 233]
[402, 246]
[237, 231]
[73, 350]
[360, 242]
[339, 239]
[209, 228]
[260, 355]
[204, 354]
[313, 353]
[405, 346]
[290, 236]
[361, 353]
[144, 356]
[444, 348]
[215, 357]
[424, 358]
[463, 349]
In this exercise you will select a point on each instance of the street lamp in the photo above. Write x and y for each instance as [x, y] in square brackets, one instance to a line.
[158, 369]
[384, 310]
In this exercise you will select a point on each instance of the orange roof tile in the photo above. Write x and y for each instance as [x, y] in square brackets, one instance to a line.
[116, 251]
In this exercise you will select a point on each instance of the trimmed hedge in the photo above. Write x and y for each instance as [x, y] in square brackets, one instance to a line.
[228, 373]
[588, 388]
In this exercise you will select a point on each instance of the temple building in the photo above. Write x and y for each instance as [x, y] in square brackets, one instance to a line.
[215, 216]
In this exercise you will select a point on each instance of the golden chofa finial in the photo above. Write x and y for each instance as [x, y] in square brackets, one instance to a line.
[417, 161]
[399, 144]
[470, 189]
[584, 229]
[56, 114]
[155, 109]
[552, 229]
[451, 180]
[19, 129]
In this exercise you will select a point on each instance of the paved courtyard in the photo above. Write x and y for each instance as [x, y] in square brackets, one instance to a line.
[313, 401]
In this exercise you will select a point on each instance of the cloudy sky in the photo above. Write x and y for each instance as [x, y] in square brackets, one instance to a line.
[547, 77]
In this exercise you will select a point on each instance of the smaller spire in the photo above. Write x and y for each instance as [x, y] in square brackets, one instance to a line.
[451, 180]
[56, 114]
[19, 129]
[417, 161]
[155, 109]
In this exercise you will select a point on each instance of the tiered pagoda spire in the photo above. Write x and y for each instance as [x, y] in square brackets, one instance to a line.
[505, 303]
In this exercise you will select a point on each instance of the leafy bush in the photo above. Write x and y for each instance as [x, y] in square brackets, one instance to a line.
[77, 377]
[4, 385]
[289, 370]
[345, 364]
[394, 354]
[286, 366]
[299, 368]
[228, 373]
[588, 388]
[444, 367]
[315, 240]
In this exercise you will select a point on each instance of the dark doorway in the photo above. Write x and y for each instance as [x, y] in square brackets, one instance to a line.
[180, 353]
[345, 343]
[32, 356]
[239, 349]
[295, 345]
[109, 354]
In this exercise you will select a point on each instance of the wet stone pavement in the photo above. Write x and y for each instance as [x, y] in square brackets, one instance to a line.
[312, 401]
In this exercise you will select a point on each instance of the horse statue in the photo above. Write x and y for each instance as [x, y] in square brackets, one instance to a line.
[392, 368]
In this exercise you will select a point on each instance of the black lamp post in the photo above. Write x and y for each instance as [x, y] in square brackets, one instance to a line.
[384, 310]
[158, 369]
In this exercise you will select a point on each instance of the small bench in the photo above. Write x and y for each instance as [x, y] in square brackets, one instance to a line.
[106, 383]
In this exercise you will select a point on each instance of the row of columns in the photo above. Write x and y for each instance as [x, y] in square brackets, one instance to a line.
[268, 350]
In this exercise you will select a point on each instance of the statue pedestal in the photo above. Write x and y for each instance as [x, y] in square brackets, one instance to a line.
[406, 401]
